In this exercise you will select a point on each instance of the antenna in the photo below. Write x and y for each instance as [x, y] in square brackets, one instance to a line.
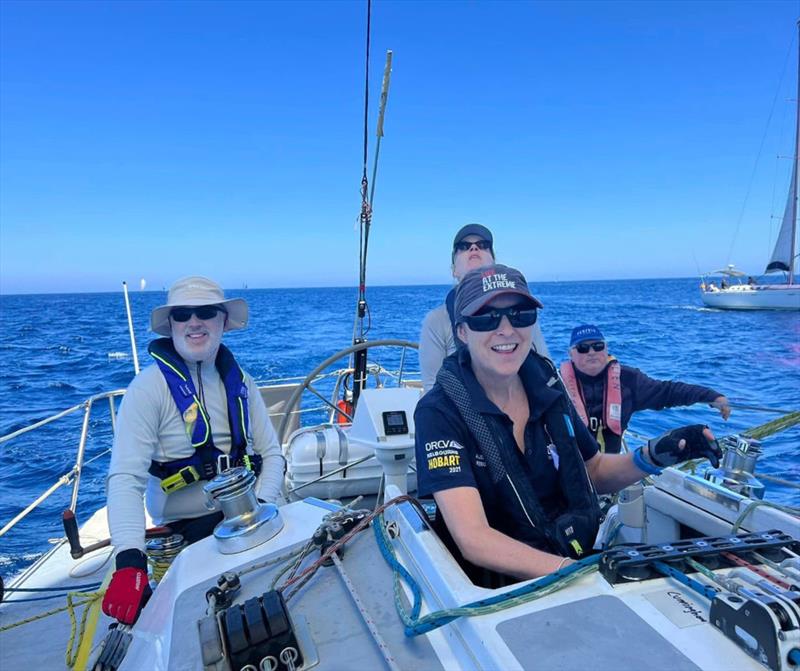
[130, 328]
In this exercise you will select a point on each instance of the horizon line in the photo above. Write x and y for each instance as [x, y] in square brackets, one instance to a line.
[353, 286]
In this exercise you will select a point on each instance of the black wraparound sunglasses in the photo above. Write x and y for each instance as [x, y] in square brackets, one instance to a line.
[489, 321]
[583, 348]
[480, 244]
[203, 312]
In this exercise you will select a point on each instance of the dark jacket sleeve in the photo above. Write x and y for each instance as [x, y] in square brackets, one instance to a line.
[650, 394]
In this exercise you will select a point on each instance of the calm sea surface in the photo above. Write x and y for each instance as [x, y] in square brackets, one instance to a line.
[56, 350]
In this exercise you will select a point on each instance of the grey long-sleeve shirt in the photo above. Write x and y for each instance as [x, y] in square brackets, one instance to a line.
[150, 427]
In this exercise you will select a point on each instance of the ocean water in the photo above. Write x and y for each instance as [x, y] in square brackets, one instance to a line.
[57, 350]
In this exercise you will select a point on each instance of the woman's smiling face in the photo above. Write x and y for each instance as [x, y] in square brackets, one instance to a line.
[498, 354]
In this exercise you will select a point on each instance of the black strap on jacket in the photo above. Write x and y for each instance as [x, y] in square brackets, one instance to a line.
[574, 530]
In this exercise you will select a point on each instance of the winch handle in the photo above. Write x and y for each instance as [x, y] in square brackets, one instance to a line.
[71, 530]
[158, 532]
[77, 551]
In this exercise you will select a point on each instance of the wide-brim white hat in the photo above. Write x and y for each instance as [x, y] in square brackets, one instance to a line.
[194, 291]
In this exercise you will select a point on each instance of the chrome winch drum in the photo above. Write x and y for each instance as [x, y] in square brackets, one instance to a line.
[161, 552]
[736, 472]
[247, 522]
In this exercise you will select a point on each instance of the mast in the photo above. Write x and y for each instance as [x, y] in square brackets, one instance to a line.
[796, 159]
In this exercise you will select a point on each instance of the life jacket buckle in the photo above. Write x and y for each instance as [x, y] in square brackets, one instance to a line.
[184, 477]
[594, 424]
[223, 463]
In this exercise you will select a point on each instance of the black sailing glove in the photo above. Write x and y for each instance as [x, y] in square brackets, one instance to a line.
[667, 451]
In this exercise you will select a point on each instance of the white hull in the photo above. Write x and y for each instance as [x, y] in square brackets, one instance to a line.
[746, 297]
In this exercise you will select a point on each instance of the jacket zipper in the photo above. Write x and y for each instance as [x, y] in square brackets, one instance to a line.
[200, 391]
[522, 505]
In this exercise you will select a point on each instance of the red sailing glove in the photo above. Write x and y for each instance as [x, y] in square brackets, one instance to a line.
[129, 589]
[667, 450]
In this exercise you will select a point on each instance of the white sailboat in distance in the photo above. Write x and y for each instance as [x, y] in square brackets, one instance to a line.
[733, 292]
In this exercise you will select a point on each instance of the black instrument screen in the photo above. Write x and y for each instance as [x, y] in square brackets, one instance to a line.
[395, 422]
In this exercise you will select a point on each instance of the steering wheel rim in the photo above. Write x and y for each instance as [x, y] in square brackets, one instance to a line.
[304, 385]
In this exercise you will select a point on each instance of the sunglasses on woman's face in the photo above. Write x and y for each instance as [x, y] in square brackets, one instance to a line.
[583, 348]
[203, 312]
[490, 320]
[480, 244]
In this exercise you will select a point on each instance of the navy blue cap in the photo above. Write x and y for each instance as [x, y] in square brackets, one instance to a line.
[585, 332]
[481, 285]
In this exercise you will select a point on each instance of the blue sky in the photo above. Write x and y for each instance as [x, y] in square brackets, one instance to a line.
[597, 140]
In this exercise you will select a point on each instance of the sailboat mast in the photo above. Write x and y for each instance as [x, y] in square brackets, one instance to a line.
[793, 240]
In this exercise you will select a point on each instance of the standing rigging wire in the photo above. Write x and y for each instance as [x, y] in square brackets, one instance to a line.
[366, 210]
[743, 209]
[359, 360]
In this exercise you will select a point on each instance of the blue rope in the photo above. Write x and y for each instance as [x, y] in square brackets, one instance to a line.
[541, 583]
[397, 568]
[704, 590]
[414, 625]
[71, 588]
[37, 598]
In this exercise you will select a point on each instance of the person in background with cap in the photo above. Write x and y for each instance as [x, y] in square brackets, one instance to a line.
[177, 418]
[514, 475]
[606, 393]
[473, 247]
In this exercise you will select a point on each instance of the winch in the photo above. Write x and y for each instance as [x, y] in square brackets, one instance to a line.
[247, 522]
[736, 472]
[161, 552]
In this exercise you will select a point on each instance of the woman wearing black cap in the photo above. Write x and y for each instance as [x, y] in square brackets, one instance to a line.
[473, 247]
[512, 472]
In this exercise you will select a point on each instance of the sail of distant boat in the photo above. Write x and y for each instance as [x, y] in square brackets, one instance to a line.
[142, 284]
[754, 295]
[782, 255]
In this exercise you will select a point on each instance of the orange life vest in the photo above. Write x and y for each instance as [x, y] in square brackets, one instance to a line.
[612, 397]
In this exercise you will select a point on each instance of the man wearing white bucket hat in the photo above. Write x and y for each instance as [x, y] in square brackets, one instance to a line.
[178, 417]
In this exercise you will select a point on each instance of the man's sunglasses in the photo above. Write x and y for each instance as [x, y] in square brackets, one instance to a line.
[489, 321]
[203, 312]
[584, 348]
[480, 244]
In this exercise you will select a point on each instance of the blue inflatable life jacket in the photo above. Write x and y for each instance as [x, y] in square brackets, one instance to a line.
[202, 465]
